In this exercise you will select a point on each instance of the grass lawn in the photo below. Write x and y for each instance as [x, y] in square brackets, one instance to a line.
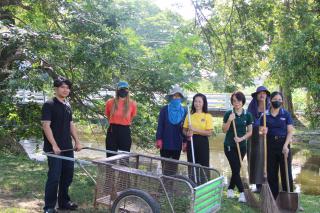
[22, 189]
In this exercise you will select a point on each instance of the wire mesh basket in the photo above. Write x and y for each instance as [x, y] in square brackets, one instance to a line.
[175, 186]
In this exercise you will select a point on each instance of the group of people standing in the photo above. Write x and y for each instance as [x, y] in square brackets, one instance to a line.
[278, 129]
[174, 134]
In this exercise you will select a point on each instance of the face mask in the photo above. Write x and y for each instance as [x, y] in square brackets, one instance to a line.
[276, 104]
[122, 93]
[175, 102]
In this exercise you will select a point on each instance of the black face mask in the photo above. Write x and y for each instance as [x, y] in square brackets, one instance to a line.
[276, 104]
[122, 93]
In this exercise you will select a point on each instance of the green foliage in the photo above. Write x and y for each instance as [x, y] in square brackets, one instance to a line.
[20, 121]
[278, 39]
[95, 44]
[295, 59]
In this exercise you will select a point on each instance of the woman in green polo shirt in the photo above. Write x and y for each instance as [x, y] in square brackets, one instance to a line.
[243, 122]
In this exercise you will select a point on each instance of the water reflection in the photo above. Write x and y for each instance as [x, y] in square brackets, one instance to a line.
[305, 168]
[33, 148]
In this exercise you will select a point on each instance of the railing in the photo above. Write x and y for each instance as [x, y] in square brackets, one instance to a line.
[216, 102]
[25, 96]
[220, 101]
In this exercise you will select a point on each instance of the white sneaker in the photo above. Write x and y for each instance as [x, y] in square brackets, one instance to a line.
[230, 193]
[242, 198]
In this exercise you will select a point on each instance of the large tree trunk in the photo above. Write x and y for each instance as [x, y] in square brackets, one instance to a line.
[10, 144]
[287, 98]
[287, 102]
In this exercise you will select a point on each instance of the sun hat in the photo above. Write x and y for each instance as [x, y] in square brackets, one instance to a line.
[174, 90]
[260, 89]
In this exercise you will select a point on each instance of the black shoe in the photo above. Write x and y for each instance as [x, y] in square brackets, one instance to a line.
[50, 211]
[69, 206]
[257, 191]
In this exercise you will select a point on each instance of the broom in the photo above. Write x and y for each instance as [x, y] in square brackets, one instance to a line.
[268, 204]
[251, 200]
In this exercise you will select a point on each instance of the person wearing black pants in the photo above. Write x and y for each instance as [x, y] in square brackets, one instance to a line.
[279, 131]
[58, 128]
[276, 162]
[60, 177]
[243, 123]
[201, 155]
[120, 112]
[260, 100]
[232, 156]
[118, 138]
[169, 137]
[199, 128]
[201, 147]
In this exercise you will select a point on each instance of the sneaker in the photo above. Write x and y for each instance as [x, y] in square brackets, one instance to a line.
[230, 193]
[50, 211]
[242, 198]
[69, 206]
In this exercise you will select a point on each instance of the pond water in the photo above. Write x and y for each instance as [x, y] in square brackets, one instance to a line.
[305, 167]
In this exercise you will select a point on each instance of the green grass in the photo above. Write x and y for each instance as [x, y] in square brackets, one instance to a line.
[22, 178]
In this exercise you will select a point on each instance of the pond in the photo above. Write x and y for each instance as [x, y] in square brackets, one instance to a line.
[305, 166]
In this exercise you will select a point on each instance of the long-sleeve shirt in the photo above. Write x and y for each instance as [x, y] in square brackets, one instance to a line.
[170, 134]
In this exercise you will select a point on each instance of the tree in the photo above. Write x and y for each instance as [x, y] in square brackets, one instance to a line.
[95, 44]
[284, 35]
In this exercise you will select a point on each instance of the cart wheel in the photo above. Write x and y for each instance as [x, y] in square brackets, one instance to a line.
[193, 184]
[134, 200]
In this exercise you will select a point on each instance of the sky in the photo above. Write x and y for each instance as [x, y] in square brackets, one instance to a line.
[183, 7]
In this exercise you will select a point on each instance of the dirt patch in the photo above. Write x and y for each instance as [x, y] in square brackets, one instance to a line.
[27, 204]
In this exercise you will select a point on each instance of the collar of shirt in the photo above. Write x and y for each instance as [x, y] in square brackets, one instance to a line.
[281, 112]
[65, 103]
[242, 113]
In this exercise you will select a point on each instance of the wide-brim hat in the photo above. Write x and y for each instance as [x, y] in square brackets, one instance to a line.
[174, 90]
[260, 89]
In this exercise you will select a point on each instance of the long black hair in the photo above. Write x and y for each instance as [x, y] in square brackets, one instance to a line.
[205, 103]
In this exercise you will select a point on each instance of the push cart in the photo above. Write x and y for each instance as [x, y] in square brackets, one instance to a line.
[132, 182]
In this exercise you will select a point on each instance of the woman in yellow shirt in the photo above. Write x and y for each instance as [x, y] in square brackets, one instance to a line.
[200, 129]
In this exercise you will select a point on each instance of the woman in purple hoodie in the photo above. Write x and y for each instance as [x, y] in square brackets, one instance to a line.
[255, 145]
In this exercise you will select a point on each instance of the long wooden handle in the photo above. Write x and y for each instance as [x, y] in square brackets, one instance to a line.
[287, 175]
[238, 147]
[265, 138]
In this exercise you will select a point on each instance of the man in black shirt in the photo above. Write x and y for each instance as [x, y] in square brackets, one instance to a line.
[58, 129]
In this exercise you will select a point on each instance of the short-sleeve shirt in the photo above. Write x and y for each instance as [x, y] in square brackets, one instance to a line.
[202, 121]
[60, 115]
[118, 117]
[242, 121]
[277, 126]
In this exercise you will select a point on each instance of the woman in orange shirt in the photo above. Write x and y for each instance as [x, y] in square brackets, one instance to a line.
[120, 111]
